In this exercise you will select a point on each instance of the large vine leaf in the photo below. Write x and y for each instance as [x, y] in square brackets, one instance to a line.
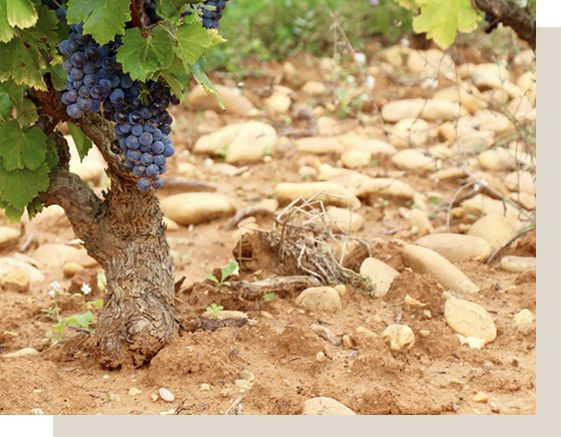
[21, 13]
[5, 104]
[176, 77]
[19, 187]
[6, 31]
[29, 52]
[441, 19]
[103, 19]
[192, 40]
[21, 149]
[407, 4]
[198, 73]
[82, 142]
[141, 56]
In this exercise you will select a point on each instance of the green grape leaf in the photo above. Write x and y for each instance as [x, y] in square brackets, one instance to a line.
[192, 40]
[21, 13]
[202, 78]
[176, 77]
[103, 19]
[6, 104]
[83, 143]
[19, 187]
[215, 38]
[6, 31]
[12, 214]
[169, 7]
[141, 56]
[21, 149]
[407, 4]
[58, 77]
[33, 208]
[14, 90]
[27, 113]
[28, 52]
[441, 19]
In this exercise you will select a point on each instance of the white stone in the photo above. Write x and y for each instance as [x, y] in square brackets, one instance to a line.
[54, 255]
[409, 131]
[469, 319]
[26, 352]
[457, 247]
[253, 141]
[8, 236]
[234, 101]
[166, 395]
[330, 193]
[380, 274]
[344, 220]
[319, 299]
[518, 264]
[318, 145]
[428, 109]
[193, 208]
[399, 337]
[523, 317]
[494, 228]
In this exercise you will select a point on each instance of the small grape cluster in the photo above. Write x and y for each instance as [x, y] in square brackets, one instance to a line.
[211, 16]
[95, 80]
[493, 23]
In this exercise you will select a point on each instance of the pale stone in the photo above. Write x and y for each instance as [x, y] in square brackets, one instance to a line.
[326, 334]
[356, 158]
[492, 68]
[441, 151]
[81, 257]
[423, 260]
[495, 97]
[367, 332]
[522, 108]
[54, 255]
[278, 103]
[69, 269]
[457, 248]
[225, 314]
[431, 63]
[15, 279]
[527, 83]
[399, 337]
[497, 159]
[494, 228]
[413, 159]
[8, 236]
[35, 276]
[464, 93]
[323, 406]
[319, 299]
[268, 204]
[307, 172]
[522, 180]
[171, 226]
[380, 274]
[469, 319]
[193, 208]
[330, 193]
[524, 316]
[483, 205]
[234, 102]
[328, 126]
[362, 186]
[89, 171]
[527, 201]
[52, 217]
[351, 139]
[166, 395]
[344, 220]
[25, 352]
[327, 173]
[518, 264]
[314, 87]
[492, 121]
[491, 180]
[318, 145]
[428, 109]
[409, 131]
[218, 140]
[247, 375]
[396, 55]
[320, 357]
[481, 397]
[526, 58]
[419, 220]
[253, 141]
[289, 70]
[376, 147]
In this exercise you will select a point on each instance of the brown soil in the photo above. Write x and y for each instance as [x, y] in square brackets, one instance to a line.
[202, 368]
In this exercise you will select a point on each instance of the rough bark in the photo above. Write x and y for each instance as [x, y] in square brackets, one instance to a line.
[521, 20]
[125, 233]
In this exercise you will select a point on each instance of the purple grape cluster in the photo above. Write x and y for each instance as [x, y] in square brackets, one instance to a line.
[95, 80]
[211, 16]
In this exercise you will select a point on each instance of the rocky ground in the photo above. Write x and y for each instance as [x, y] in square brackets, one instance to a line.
[369, 280]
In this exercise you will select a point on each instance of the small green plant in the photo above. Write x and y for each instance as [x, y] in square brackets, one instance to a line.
[383, 201]
[79, 320]
[215, 311]
[226, 271]
[268, 297]
[364, 283]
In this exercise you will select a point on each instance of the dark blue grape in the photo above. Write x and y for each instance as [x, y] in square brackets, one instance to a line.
[139, 170]
[134, 155]
[90, 80]
[152, 170]
[143, 185]
[137, 130]
[169, 150]
[135, 118]
[159, 160]
[74, 111]
[132, 142]
[146, 158]
[158, 147]
[146, 139]
[84, 104]
[117, 96]
[157, 183]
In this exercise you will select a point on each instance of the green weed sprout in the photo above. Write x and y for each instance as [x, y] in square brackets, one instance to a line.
[215, 311]
[226, 271]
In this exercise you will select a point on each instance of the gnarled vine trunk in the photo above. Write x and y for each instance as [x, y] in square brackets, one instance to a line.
[125, 233]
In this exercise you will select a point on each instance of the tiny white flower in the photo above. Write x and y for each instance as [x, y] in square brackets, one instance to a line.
[360, 58]
[370, 82]
[52, 293]
[404, 42]
[55, 285]
[86, 289]
[351, 79]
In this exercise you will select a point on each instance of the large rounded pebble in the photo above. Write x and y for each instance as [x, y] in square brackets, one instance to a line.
[225, 314]
[493, 183]
[466, 94]
[470, 319]
[318, 145]
[363, 186]
[15, 279]
[492, 121]
[380, 274]
[345, 221]
[319, 299]
[419, 221]
[399, 337]
[494, 228]
[35, 275]
[166, 395]
[522, 180]
[518, 264]
[423, 260]
[70, 268]
[323, 406]
[413, 159]
[8, 236]
[457, 248]
[314, 87]
[431, 63]
[524, 316]
[428, 109]
[218, 140]
[52, 217]
[89, 171]
[376, 147]
[171, 226]
[278, 103]
[525, 200]
[526, 58]
[483, 205]
[193, 208]
[329, 192]
[409, 131]
[234, 102]
[495, 98]
[253, 141]
[527, 83]
[54, 254]
[356, 158]
[26, 352]
[522, 108]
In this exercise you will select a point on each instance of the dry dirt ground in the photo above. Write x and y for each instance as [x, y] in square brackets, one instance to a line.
[270, 364]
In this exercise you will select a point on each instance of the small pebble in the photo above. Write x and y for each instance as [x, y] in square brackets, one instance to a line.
[37, 411]
[320, 357]
[205, 387]
[225, 392]
[134, 391]
[166, 395]
[247, 375]
[424, 333]
[481, 397]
